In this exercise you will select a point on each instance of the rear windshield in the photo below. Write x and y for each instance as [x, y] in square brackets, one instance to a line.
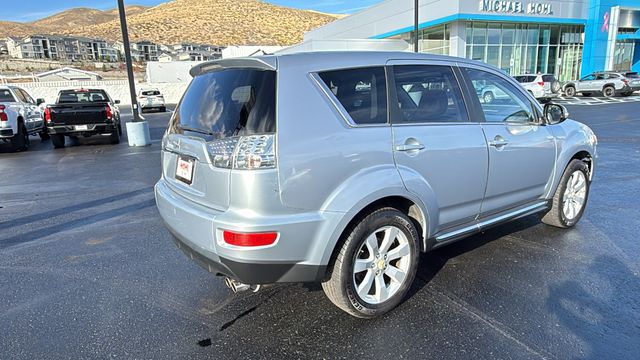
[548, 78]
[5, 96]
[632, 75]
[151, 93]
[228, 102]
[525, 78]
[72, 96]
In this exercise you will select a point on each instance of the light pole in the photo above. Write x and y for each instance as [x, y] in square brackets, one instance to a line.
[138, 130]
[416, 12]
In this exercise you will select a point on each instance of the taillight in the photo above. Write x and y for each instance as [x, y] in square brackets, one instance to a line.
[541, 83]
[625, 81]
[244, 152]
[47, 115]
[3, 115]
[109, 112]
[249, 239]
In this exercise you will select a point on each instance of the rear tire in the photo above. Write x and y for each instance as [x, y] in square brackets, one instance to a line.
[44, 135]
[570, 91]
[570, 198]
[375, 265]
[609, 91]
[20, 141]
[163, 109]
[114, 138]
[57, 140]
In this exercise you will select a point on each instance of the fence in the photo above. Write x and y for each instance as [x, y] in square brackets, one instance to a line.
[118, 89]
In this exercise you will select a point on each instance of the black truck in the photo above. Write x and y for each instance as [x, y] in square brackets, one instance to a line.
[83, 112]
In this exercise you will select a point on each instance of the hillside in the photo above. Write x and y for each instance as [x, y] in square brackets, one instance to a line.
[63, 21]
[220, 22]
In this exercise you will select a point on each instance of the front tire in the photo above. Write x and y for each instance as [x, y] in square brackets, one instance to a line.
[570, 198]
[375, 265]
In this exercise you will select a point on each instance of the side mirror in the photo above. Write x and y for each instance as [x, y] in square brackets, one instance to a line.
[40, 101]
[116, 102]
[555, 113]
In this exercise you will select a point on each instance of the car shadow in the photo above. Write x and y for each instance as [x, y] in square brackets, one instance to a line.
[431, 263]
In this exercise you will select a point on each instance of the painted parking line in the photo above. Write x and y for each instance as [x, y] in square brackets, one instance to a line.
[595, 100]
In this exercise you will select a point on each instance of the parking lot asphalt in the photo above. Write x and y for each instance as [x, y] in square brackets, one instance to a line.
[87, 270]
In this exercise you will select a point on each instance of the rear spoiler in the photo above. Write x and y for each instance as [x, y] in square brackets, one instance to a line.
[260, 63]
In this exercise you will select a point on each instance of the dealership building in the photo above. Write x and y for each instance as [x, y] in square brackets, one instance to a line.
[569, 38]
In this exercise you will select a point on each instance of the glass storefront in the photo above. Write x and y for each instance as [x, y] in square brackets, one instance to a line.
[527, 48]
[515, 48]
[433, 40]
[623, 54]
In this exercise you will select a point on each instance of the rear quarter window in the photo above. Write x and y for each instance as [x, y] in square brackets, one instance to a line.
[6, 96]
[362, 93]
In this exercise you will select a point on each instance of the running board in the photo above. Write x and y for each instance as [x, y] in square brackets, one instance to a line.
[448, 237]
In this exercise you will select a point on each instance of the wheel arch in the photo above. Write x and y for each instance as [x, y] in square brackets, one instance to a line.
[407, 204]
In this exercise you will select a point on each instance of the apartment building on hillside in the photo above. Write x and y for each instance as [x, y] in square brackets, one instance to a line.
[54, 47]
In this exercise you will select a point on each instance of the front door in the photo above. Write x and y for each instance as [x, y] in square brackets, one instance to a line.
[436, 147]
[522, 150]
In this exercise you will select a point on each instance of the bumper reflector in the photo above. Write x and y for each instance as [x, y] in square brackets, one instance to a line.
[249, 239]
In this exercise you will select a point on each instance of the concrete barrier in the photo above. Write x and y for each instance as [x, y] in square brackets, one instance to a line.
[118, 89]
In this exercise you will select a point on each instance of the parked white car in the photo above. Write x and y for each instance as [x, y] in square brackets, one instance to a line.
[20, 116]
[151, 98]
[543, 87]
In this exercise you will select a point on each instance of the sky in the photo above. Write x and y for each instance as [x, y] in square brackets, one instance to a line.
[29, 10]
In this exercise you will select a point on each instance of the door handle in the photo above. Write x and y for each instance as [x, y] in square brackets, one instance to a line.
[498, 142]
[409, 147]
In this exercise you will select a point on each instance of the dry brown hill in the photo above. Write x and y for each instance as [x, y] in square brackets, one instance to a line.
[82, 17]
[64, 21]
[220, 22]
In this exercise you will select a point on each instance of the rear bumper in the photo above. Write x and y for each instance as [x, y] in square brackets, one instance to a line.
[91, 129]
[195, 230]
[6, 133]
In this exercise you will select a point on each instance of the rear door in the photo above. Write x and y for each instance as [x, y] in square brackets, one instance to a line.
[586, 83]
[436, 141]
[217, 109]
[522, 150]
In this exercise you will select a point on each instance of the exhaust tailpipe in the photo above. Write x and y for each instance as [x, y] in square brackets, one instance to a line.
[237, 286]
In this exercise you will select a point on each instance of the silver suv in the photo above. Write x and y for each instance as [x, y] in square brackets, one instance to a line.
[342, 167]
[608, 83]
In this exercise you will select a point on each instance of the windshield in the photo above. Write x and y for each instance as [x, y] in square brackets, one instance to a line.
[72, 96]
[228, 102]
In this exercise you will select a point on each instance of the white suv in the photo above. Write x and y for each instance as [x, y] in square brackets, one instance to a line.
[151, 99]
[543, 87]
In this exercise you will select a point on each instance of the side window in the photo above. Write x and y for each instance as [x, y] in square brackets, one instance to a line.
[362, 92]
[588, 78]
[600, 77]
[613, 76]
[500, 100]
[428, 93]
[20, 95]
[27, 96]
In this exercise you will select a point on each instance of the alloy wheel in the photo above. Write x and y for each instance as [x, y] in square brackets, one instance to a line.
[574, 195]
[381, 265]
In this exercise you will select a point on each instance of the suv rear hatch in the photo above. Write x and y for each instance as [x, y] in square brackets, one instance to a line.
[226, 120]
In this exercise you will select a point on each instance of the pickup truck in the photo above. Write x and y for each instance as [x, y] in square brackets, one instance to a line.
[83, 112]
[20, 116]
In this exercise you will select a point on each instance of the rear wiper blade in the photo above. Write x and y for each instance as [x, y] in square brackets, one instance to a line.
[200, 131]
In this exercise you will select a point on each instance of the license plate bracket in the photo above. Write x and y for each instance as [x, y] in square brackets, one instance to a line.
[185, 168]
